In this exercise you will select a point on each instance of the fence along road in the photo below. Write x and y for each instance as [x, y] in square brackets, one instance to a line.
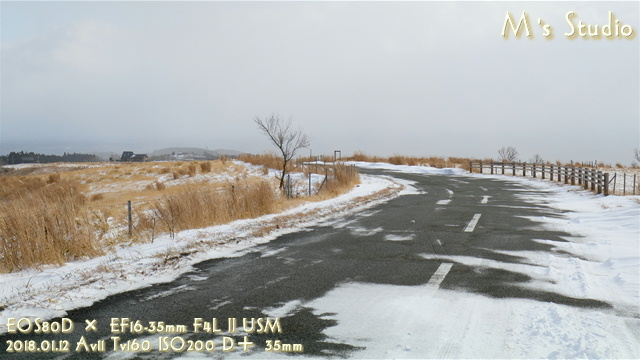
[592, 179]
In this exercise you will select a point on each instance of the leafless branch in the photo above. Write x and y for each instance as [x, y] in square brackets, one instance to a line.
[287, 139]
[508, 154]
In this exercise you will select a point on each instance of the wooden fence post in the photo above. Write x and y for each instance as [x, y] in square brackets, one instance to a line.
[503, 168]
[592, 175]
[599, 179]
[579, 175]
[514, 169]
[606, 184]
[543, 177]
[524, 169]
[573, 175]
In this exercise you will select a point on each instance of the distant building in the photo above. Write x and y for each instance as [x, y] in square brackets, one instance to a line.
[130, 156]
[139, 158]
[126, 156]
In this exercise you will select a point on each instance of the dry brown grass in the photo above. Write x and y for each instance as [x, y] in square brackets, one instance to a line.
[201, 207]
[50, 218]
[341, 179]
[269, 161]
[433, 161]
[205, 167]
[43, 223]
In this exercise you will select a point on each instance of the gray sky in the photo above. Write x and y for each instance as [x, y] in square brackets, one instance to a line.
[412, 78]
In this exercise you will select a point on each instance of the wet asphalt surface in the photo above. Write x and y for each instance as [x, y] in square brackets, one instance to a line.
[307, 264]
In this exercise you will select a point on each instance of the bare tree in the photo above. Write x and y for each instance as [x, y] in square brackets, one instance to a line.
[636, 157]
[287, 139]
[536, 159]
[508, 154]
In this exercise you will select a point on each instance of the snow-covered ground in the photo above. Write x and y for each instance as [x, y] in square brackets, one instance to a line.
[601, 261]
[51, 291]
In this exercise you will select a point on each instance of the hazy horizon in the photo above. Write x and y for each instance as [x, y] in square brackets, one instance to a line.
[410, 78]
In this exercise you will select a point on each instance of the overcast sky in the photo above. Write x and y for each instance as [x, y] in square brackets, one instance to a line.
[412, 78]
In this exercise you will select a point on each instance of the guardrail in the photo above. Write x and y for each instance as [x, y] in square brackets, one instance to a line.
[589, 179]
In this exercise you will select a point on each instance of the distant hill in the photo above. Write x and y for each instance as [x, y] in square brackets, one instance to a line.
[196, 151]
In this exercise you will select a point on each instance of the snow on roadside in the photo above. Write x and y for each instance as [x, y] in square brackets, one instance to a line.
[605, 244]
[51, 291]
[407, 169]
[600, 260]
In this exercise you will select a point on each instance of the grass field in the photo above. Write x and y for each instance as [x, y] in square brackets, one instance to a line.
[51, 214]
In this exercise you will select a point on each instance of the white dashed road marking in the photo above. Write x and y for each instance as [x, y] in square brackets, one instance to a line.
[472, 223]
[443, 202]
[438, 276]
[485, 199]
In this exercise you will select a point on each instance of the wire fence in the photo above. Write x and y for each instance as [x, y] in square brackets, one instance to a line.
[624, 183]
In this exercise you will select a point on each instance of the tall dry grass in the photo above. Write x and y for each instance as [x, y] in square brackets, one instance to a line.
[270, 161]
[43, 222]
[201, 207]
[342, 179]
[433, 161]
[52, 218]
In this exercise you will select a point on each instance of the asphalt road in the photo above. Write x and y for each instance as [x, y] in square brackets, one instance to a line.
[453, 215]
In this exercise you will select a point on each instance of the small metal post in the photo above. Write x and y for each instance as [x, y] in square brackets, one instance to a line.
[129, 217]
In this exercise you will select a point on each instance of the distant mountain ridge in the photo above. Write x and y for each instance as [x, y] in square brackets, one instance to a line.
[195, 150]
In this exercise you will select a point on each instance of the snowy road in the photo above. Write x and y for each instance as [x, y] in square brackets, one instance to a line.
[465, 267]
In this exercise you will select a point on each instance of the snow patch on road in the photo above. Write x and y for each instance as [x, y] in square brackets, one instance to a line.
[284, 309]
[365, 232]
[395, 237]
[418, 323]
